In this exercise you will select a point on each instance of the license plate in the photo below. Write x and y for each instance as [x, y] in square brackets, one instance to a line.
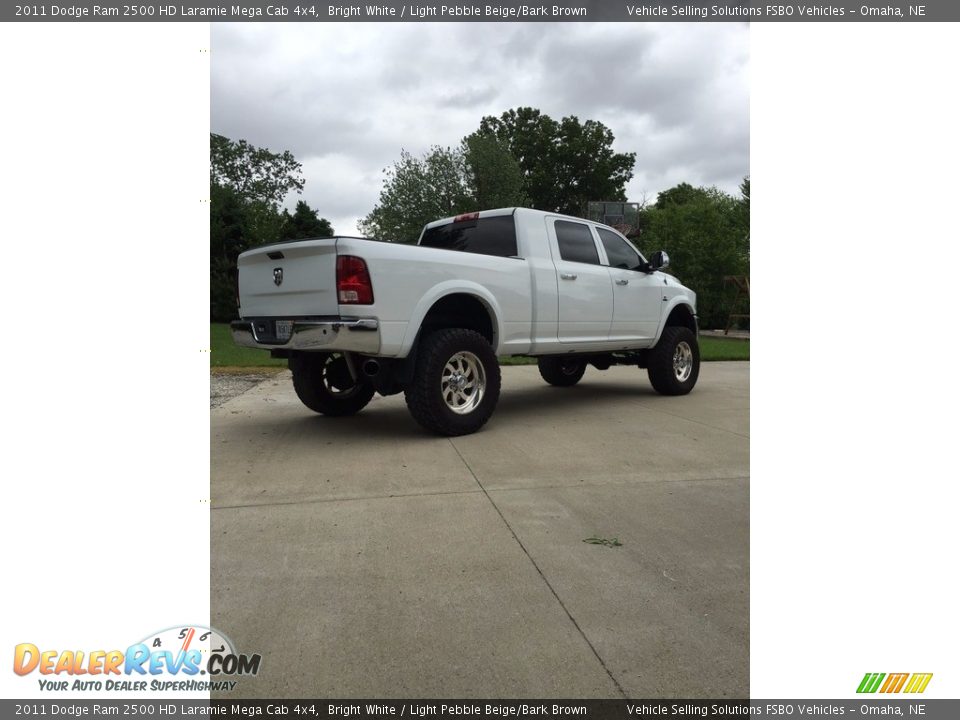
[283, 330]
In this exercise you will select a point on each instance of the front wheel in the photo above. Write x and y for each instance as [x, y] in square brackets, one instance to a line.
[561, 371]
[456, 384]
[674, 363]
[324, 384]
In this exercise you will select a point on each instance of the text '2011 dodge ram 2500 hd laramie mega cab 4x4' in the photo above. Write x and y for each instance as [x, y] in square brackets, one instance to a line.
[356, 316]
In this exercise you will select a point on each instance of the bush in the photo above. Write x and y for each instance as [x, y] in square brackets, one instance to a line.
[706, 232]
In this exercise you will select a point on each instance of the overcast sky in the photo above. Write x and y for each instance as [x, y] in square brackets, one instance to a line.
[346, 98]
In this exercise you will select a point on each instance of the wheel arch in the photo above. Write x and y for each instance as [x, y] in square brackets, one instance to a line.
[679, 314]
[471, 307]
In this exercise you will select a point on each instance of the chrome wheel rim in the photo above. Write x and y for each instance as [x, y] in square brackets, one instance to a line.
[682, 361]
[463, 383]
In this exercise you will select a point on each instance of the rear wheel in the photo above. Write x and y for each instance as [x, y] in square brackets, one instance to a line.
[324, 384]
[456, 384]
[561, 371]
[674, 363]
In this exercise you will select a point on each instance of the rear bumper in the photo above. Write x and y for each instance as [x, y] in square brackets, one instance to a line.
[360, 335]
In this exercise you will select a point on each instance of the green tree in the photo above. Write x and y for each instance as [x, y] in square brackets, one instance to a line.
[745, 206]
[565, 164]
[493, 175]
[481, 174]
[228, 237]
[681, 194]
[706, 233]
[254, 173]
[304, 223]
[418, 190]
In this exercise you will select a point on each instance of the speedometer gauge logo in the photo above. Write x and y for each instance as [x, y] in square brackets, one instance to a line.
[210, 650]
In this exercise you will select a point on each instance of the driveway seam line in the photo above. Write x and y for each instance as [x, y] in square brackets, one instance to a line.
[314, 501]
[354, 498]
[540, 573]
[619, 484]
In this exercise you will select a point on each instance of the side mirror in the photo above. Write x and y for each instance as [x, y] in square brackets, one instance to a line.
[659, 260]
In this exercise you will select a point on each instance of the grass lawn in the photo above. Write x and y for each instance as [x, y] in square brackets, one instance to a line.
[225, 356]
[224, 353]
[712, 348]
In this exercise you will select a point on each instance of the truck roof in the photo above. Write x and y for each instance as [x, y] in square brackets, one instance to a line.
[507, 211]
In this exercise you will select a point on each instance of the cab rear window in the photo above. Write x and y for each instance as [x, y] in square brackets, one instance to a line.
[484, 236]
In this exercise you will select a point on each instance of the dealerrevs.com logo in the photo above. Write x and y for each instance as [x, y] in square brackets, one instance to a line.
[894, 682]
[182, 658]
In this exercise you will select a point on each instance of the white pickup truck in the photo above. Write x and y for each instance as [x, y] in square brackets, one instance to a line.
[357, 316]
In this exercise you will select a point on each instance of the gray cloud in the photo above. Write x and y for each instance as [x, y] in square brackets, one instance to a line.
[345, 98]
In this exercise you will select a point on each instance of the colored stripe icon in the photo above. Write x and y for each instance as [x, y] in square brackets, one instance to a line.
[870, 682]
[894, 682]
[918, 683]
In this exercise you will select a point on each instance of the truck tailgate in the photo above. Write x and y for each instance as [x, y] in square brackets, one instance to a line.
[289, 280]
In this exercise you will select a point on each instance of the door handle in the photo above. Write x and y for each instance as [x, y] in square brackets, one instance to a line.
[623, 282]
[568, 276]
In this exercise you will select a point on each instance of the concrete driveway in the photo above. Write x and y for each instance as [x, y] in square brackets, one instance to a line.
[363, 557]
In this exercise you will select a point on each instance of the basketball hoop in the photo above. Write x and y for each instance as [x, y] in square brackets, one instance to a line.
[624, 217]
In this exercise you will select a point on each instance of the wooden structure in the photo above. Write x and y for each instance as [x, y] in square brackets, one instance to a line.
[742, 283]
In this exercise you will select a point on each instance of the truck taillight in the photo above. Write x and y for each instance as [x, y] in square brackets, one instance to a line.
[353, 281]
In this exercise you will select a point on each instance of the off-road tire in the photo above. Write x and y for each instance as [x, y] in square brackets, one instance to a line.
[561, 371]
[667, 377]
[425, 395]
[312, 376]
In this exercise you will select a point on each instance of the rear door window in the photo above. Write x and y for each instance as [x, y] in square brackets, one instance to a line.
[575, 242]
[495, 235]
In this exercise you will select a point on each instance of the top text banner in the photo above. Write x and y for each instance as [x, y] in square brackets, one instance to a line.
[472, 11]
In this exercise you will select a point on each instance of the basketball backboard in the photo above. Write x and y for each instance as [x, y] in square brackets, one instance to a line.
[622, 216]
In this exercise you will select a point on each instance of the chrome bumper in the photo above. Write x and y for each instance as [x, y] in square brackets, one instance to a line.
[331, 334]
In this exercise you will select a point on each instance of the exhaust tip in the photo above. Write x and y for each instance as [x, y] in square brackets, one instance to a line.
[370, 368]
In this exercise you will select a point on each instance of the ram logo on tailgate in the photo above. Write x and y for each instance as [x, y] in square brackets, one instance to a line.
[278, 276]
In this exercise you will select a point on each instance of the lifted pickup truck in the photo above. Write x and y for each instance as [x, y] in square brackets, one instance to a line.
[357, 316]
